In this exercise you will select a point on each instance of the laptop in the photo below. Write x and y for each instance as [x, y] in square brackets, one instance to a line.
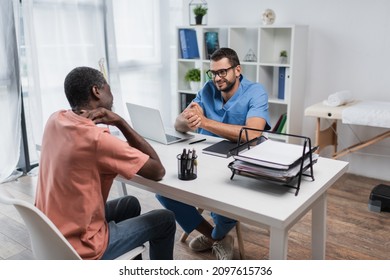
[148, 123]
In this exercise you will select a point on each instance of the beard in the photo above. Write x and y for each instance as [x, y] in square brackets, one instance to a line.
[225, 85]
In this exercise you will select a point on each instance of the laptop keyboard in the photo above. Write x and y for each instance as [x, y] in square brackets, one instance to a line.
[172, 138]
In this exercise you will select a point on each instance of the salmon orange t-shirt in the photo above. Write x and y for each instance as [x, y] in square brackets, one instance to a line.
[79, 161]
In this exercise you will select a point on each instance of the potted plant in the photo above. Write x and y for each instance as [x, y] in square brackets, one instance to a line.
[193, 77]
[199, 12]
[283, 56]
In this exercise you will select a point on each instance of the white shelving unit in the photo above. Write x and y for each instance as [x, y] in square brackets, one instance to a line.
[266, 43]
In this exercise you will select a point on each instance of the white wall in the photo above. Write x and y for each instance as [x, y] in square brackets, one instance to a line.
[348, 48]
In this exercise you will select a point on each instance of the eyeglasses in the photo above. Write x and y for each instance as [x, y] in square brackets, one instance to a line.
[221, 72]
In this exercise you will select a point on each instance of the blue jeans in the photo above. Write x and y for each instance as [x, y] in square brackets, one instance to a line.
[128, 229]
[189, 218]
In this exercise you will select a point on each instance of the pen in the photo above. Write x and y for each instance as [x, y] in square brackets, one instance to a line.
[193, 154]
[189, 160]
[193, 161]
[197, 141]
[183, 162]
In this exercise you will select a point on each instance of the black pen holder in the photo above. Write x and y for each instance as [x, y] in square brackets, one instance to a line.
[186, 168]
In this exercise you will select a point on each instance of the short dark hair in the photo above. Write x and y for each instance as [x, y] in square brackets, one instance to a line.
[78, 85]
[230, 54]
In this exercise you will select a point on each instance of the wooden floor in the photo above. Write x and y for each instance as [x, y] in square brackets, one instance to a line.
[353, 232]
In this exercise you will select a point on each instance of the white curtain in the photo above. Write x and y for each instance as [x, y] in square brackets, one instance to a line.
[10, 101]
[59, 35]
[144, 52]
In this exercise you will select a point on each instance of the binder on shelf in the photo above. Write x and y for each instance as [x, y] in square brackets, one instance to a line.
[186, 99]
[286, 83]
[275, 128]
[281, 82]
[282, 123]
[183, 101]
[211, 43]
[275, 161]
[284, 128]
[188, 43]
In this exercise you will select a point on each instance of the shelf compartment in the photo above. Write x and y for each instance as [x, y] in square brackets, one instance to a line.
[272, 42]
[269, 77]
[243, 40]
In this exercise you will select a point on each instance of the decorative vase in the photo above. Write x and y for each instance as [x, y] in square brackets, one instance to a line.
[283, 59]
[194, 85]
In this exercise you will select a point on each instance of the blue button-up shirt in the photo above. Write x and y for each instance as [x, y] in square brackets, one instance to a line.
[250, 100]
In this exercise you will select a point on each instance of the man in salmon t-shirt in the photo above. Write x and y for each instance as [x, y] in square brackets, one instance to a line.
[79, 161]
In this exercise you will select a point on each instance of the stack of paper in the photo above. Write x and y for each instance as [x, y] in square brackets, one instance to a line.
[273, 154]
[270, 173]
[274, 160]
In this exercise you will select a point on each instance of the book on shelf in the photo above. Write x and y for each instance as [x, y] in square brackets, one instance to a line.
[211, 43]
[284, 128]
[286, 83]
[186, 99]
[277, 127]
[282, 124]
[274, 154]
[188, 43]
[281, 82]
[220, 149]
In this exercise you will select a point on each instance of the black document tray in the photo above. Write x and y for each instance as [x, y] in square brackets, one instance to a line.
[288, 181]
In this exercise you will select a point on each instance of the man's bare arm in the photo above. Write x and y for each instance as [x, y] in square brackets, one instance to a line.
[193, 117]
[231, 131]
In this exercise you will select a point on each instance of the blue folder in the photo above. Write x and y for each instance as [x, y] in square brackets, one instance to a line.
[188, 44]
[281, 82]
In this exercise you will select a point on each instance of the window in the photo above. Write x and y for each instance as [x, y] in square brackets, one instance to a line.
[144, 71]
[137, 32]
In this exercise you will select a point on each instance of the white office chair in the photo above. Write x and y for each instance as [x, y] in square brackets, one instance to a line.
[47, 242]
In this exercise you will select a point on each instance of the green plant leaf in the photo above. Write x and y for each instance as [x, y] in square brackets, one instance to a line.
[192, 74]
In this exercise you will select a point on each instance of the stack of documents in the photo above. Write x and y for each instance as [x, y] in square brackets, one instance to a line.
[274, 160]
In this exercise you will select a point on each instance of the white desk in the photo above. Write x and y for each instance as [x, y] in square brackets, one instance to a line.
[248, 200]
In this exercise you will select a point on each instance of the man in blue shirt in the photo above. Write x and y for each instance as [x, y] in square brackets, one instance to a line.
[225, 104]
